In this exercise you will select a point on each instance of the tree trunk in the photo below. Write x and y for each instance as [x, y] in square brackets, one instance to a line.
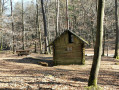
[38, 30]
[23, 26]
[13, 48]
[0, 8]
[40, 45]
[37, 26]
[75, 26]
[57, 17]
[98, 46]
[1, 47]
[35, 51]
[67, 17]
[96, 5]
[107, 45]
[103, 51]
[47, 18]
[116, 55]
[45, 26]
[1, 11]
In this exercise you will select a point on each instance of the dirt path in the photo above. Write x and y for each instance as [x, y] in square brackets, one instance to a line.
[24, 72]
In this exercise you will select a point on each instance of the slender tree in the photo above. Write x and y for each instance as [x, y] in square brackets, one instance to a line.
[116, 55]
[39, 34]
[57, 17]
[67, 17]
[104, 39]
[48, 20]
[13, 48]
[1, 12]
[37, 26]
[23, 25]
[45, 26]
[3, 1]
[0, 8]
[98, 45]
[96, 5]
[1, 47]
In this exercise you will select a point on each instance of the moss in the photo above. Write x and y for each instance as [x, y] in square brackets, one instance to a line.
[92, 82]
[117, 57]
[116, 63]
[83, 62]
[1, 48]
[93, 88]
[103, 55]
[92, 85]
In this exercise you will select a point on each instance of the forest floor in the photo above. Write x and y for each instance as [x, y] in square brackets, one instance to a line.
[25, 73]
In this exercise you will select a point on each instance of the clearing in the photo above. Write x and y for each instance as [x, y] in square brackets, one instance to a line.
[23, 72]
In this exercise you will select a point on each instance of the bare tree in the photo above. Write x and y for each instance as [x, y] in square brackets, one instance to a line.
[67, 16]
[37, 26]
[45, 26]
[98, 46]
[13, 48]
[23, 25]
[116, 55]
[104, 39]
[0, 7]
[1, 21]
[57, 17]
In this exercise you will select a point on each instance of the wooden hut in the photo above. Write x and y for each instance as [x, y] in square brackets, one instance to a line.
[68, 48]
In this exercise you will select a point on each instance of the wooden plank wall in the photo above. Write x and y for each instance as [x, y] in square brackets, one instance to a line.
[68, 53]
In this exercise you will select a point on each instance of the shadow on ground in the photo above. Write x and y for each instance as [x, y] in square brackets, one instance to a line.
[26, 88]
[48, 61]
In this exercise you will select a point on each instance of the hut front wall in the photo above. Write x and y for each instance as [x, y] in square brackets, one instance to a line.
[68, 53]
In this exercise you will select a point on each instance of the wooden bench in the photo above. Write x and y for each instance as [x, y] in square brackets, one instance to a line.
[23, 52]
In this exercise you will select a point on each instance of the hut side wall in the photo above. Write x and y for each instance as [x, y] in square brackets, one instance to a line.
[68, 53]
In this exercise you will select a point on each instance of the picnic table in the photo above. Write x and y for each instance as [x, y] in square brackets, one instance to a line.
[23, 52]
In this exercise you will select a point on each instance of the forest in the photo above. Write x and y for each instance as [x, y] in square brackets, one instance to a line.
[59, 45]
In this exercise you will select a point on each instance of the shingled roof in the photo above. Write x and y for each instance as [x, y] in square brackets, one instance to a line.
[71, 33]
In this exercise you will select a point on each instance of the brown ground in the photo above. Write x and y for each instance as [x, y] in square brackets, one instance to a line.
[24, 73]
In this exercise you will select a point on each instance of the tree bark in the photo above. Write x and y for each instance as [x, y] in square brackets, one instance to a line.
[40, 45]
[13, 48]
[1, 11]
[116, 55]
[37, 25]
[0, 8]
[98, 46]
[47, 20]
[1, 47]
[23, 26]
[96, 5]
[57, 17]
[103, 51]
[107, 45]
[35, 51]
[67, 17]
[45, 26]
